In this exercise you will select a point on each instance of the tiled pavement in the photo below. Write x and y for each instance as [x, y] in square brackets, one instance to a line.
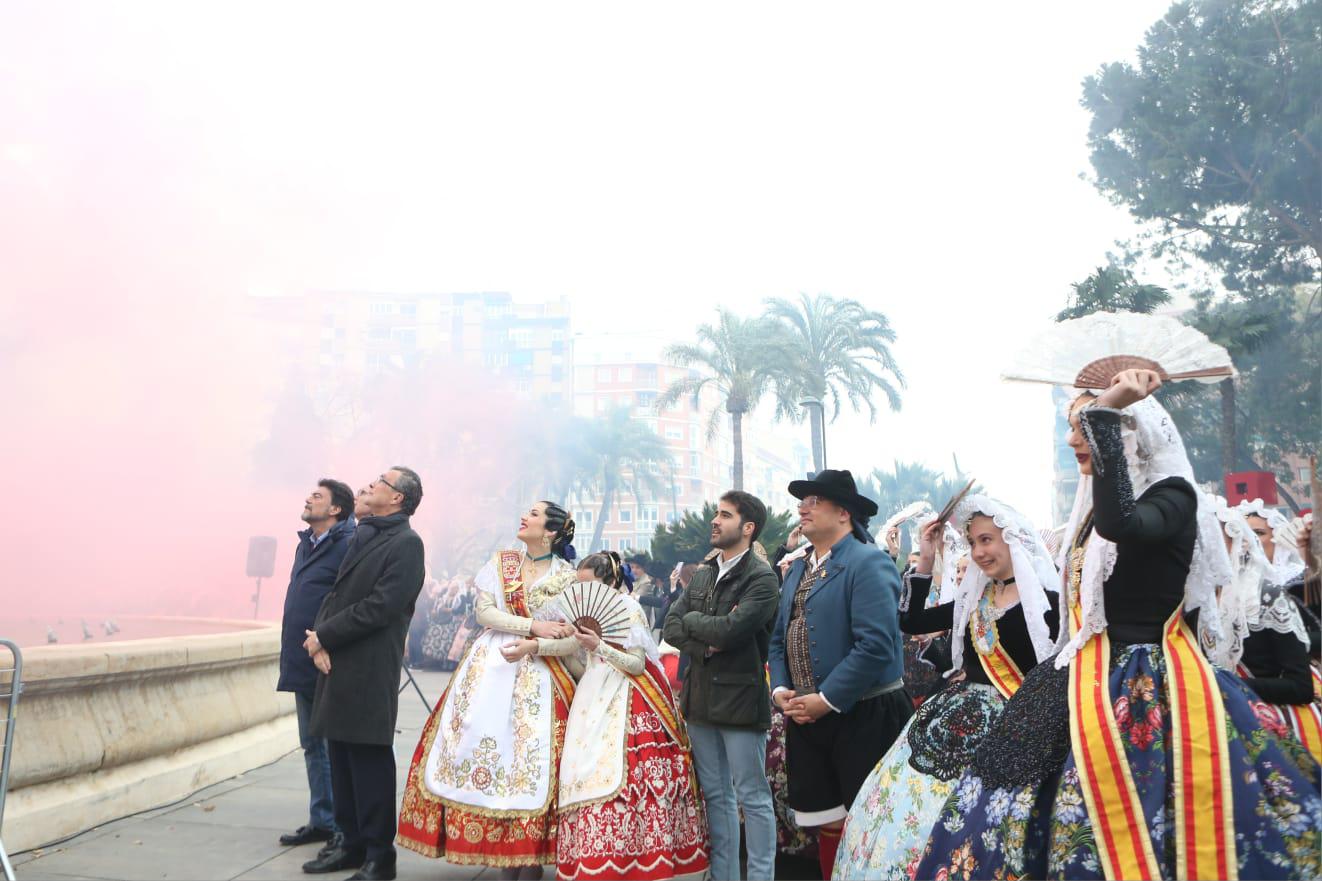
[230, 830]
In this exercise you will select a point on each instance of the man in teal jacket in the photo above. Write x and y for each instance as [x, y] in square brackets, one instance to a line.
[836, 659]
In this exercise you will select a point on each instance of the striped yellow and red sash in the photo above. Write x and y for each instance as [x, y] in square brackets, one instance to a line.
[516, 601]
[1305, 721]
[1204, 833]
[1001, 669]
[652, 685]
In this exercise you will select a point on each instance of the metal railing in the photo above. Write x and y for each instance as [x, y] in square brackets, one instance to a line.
[9, 694]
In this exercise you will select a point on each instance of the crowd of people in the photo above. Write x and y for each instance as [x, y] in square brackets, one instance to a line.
[1134, 696]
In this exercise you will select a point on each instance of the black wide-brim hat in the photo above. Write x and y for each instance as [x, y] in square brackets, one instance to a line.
[839, 487]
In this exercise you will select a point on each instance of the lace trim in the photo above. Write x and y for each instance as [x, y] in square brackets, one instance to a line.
[1278, 612]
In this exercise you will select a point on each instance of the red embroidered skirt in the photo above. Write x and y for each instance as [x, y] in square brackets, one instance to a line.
[654, 828]
[428, 827]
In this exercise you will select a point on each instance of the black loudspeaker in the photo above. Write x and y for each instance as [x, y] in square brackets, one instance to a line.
[261, 556]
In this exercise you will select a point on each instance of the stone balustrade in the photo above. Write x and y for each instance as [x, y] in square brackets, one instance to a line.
[108, 729]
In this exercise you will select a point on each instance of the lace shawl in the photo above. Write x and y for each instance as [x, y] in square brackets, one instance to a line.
[1238, 599]
[1152, 451]
[1034, 575]
[1286, 563]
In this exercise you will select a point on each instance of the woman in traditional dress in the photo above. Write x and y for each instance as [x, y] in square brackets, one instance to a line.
[1267, 643]
[1006, 612]
[482, 786]
[1285, 566]
[1130, 755]
[629, 803]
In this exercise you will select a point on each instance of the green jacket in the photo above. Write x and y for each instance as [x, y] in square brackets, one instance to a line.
[726, 687]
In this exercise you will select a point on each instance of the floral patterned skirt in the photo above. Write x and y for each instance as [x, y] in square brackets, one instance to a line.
[889, 821]
[654, 827]
[427, 826]
[1043, 830]
[790, 837]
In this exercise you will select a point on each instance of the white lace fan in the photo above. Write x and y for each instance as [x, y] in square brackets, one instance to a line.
[1088, 352]
[595, 606]
[909, 512]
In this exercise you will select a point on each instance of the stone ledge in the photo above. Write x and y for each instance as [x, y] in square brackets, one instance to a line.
[40, 814]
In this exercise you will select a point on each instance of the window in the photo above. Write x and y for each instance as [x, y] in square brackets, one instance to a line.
[584, 519]
[382, 309]
[672, 517]
[647, 514]
[624, 374]
[675, 432]
[626, 516]
[625, 400]
[695, 462]
[647, 400]
[605, 544]
[603, 374]
[408, 309]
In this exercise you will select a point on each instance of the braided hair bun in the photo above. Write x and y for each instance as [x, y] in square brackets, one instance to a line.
[559, 522]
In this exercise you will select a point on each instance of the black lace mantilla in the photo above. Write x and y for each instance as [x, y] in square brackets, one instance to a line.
[948, 728]
[1031, 739]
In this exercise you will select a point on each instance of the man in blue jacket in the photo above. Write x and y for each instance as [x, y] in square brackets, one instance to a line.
[328, 512]
[837, 658]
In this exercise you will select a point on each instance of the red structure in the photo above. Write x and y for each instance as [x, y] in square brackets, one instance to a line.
[1249, 485]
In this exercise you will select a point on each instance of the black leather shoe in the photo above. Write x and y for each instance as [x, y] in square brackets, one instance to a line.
[337, 840]
[337, 860]
[305, 835]
[382, 869]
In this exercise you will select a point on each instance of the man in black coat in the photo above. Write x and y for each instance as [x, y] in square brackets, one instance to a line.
[358, 645]
[328, 512]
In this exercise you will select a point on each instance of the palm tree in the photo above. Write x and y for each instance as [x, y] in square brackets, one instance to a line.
[743, 359]
[839, 351]
[624, 453]
[1113, 289]
[908, 482]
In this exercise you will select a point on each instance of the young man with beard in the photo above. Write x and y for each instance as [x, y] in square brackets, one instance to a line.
[722, 623]
[328, 513]
[837, 663]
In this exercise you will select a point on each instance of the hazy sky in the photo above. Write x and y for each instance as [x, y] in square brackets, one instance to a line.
[160, 161]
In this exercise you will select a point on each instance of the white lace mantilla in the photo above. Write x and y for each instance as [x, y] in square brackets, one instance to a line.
[1237, 600]
[1153, 451]
[1034, 574]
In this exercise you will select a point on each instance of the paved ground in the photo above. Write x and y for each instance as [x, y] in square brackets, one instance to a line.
[230, 830]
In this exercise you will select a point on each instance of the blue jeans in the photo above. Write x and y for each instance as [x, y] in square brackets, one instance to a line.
[321, 813]
[732, 768]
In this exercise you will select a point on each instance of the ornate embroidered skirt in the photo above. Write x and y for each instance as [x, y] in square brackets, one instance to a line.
[428, 827]
[654, 827]
[889, 821]
[1042, 830]
[791, 838]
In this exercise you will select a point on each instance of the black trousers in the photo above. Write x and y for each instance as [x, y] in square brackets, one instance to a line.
[828, 760]
[363, 786]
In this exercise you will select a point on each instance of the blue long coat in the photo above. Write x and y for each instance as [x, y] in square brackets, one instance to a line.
[853, 621]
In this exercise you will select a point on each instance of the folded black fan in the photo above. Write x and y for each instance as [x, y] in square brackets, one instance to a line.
[598, 607]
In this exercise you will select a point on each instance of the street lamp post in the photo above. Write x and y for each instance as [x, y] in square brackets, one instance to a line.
[815, 417]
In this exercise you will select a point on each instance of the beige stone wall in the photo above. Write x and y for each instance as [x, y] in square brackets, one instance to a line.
[105, 730]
